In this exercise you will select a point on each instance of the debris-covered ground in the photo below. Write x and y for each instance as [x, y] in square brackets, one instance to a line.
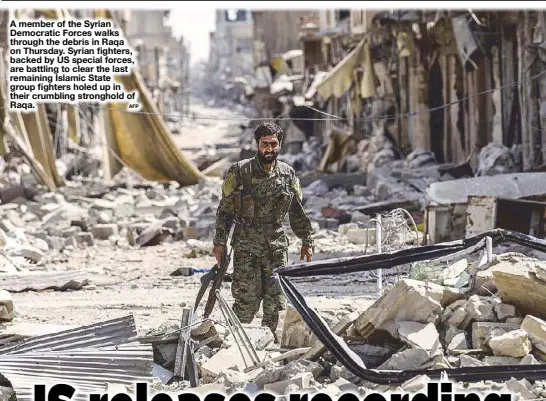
[94, 253]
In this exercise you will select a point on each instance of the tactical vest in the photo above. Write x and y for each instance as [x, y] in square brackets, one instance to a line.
[244, 199]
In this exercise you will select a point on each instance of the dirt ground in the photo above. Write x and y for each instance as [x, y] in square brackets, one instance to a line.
[126, 280]
[138, 282]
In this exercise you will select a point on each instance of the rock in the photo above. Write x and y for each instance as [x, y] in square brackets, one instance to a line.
[407, 300]
[172, 223]
[104, 231]
[155, 234]
[515, 320]
[226, 358]
[343, 228]
[84, 238]
[452, 273]
[210, 388]
[451, 332]
[259, 336]
[28, 252]
[505, 311]
[479, 309]
[303, 381]
[410, 359]
[482, 332]
[103, 204]
[6, 306]
[518, 285]
[232, 378]
[295, 333]
[521, 387]
[419, 335]
[536, 330]
[183, 271]
[345, 385]
[41, 244]
[458, 342]
[364, 236]
[513, 343]
[468, 361]
[529, 360]
[167, 352]
[6, 393]
[338, 372]
[501, 360]
[454, 314]
[371, 355]
[416, 384]
[71, 231]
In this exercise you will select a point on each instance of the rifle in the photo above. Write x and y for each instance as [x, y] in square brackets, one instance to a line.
[216, 275]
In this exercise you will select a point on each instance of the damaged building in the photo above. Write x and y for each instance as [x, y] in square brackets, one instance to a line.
[420, 269]
[440, 82]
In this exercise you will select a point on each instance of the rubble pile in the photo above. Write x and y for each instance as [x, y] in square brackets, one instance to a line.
[308, 159]
[414, 325]
[495, 158]
[79, 215]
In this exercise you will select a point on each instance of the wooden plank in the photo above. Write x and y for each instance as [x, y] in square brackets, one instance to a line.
[185, 360]
[189, 356]
[180, 351]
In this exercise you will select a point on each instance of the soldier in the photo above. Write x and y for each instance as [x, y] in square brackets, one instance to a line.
[257, 194]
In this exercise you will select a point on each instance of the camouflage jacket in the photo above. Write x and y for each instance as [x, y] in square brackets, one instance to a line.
[269, 206]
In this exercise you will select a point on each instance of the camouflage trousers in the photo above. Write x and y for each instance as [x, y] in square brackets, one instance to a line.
[252, 283]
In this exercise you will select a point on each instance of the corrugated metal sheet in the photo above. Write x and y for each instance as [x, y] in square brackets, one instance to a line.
[87, 370]
[87, 357]
[109, 332]
[36, 281]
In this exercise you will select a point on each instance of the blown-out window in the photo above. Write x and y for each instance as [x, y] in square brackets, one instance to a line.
[235, 15]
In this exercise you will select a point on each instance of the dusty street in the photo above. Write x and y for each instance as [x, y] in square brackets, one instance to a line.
[138, 281]
[128, 280]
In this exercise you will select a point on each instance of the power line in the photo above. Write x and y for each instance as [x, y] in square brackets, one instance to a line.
[331, 117]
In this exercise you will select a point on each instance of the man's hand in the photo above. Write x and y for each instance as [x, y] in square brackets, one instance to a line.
[306, 252]
[219, 251]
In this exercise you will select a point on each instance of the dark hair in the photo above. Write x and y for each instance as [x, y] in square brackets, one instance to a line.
[268, 129]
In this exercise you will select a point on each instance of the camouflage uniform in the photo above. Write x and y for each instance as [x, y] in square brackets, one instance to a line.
[258, 202]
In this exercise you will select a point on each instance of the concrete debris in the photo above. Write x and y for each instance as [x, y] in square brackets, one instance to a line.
[438, 315]
[458, 342]
[419, 335]
[296, 333]
[536, 330]
[514, 343]
[6, 306]
[496, 158]
[482, 332]
[408, 300]
[520, 284]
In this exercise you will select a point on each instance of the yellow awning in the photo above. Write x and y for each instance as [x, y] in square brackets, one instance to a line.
[340, 78]
[141, 139]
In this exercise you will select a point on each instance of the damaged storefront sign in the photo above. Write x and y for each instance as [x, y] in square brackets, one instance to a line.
[471, 205]
[483, 213]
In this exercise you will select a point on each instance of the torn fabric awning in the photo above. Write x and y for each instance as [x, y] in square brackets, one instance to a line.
[340, 78]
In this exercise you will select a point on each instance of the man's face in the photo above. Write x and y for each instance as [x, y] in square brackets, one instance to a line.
[268, 149]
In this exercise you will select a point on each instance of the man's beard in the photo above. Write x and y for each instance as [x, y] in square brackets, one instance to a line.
[268, 157]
